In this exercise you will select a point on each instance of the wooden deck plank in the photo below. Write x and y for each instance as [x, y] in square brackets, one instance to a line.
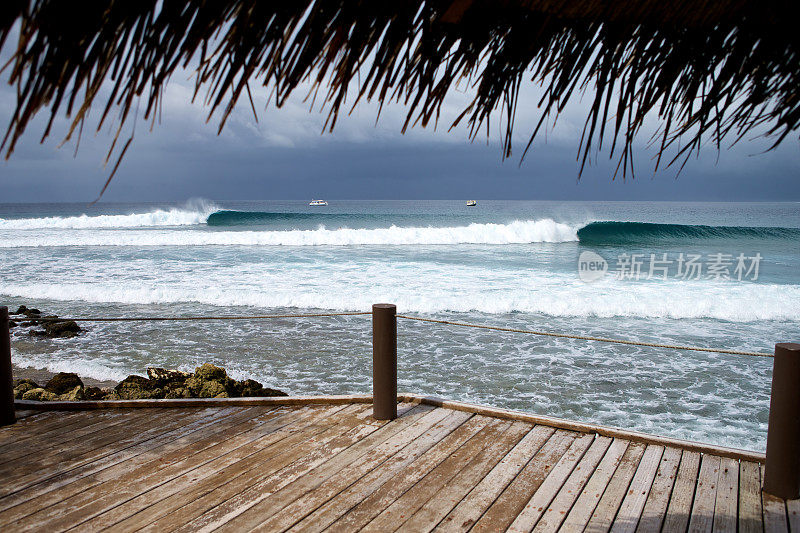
[793, 512]
[43, 495]
[702, 515]
[269, 467]
[261, 488]
[303, 496]
[54, 465]
[680, 503]
[587, 501]
[96, 428]
[372, 504]
[557, 511]
[94, 434]
[286, 426]
[409, 502]
[519, 492]
[76, 508]
[726, 506]
[26, 413]
[324, 515]
[315, 467]
[416, 496]
[655, 508]
[751, 518]
[437, 507]
[606, 510]
[533, 510]
[627, 519]
[44, 422]
[385, 460]
[775, 519]
[156, 461]
[470, 509]
[171, 430]
[205, 458]
[60, 430]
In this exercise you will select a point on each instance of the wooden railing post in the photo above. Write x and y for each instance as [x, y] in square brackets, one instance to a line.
[782, 469]
[7, 415]
[384, 361]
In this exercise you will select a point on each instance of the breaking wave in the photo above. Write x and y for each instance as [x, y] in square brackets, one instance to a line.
[519, 232]
[193, 213]
[645, 232]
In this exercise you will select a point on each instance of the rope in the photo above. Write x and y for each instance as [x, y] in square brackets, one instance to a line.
[181, 318]
[361, 313]
[586, 338]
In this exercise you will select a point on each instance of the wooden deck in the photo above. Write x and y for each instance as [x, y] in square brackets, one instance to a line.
[334, 468]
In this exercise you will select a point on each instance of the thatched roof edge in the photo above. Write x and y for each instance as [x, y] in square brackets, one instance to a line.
[710, 70]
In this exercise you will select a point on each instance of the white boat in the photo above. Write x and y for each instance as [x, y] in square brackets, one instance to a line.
[317, 202]
[471, 203]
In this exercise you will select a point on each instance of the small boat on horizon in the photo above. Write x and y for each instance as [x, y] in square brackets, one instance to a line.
[317, 202]
[471, 203]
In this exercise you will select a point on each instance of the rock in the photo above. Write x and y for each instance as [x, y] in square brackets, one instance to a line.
[34, 312]
[74, 395]
[63, 382]
[21, 386]
[39, 395]
[134, 381]
[176, 392]
[136, 388]
[210, 381]
[252, 388]
[12, 324]
[62, 329]
[96, 393]
[209, 372]
[112, 395]
[162, 375]
[136, 394]
[21, 310]
[206, 389]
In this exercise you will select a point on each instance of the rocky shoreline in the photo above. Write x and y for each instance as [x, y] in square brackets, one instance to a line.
[51, 327]
[207, 381]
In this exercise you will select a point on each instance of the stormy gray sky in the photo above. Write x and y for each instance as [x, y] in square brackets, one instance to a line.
[285, 156]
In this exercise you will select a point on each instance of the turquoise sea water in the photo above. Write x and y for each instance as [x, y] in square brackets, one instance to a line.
[709, 274]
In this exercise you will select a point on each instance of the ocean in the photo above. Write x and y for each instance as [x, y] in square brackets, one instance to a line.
[720, 275]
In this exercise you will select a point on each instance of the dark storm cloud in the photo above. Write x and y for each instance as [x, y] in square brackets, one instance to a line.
[284, 156]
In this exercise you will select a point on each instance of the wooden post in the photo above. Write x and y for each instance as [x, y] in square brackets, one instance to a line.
[7, 415]
[782, 469]
[384, 361]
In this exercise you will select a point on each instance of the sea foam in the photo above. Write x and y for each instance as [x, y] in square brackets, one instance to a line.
[560, 296]
[193, 213]
[517, 232]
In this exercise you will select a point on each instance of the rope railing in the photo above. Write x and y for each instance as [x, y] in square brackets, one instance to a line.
[586, 338]
[407, 317]
[180, 318]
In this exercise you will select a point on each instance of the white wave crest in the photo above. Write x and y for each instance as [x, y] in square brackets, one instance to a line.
[193, 213]
[518, 232]
[557, 296]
